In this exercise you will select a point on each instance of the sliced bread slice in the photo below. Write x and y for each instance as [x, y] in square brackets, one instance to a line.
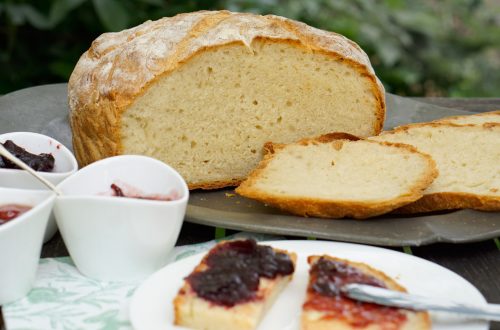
[338, 175]
[468, 160]
[476, 119]
[233, 286]
[326, 308]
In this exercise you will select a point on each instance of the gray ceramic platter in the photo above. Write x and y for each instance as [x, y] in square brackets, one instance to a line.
[44, 109]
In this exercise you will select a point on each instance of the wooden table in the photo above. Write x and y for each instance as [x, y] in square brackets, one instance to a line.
[478, 262]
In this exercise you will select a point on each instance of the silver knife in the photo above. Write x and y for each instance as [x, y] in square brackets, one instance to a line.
[368, 293]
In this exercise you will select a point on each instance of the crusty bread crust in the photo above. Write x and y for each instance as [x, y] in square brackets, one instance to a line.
[119, 67]
[466, 118]
[215, 184]
[312, 320]
[334, 209]
[195, 312]
[448, 200]
[451, 201]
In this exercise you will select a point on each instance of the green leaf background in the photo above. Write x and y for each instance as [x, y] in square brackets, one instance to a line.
[418, 48]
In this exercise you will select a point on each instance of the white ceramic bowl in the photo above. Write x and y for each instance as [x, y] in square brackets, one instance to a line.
[114, 238]
[65, 164]
[21, 241]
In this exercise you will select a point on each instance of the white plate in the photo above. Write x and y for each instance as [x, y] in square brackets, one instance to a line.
[151, 306]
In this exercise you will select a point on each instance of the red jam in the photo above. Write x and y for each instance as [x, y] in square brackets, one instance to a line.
[11, 211]
[234, 270]
[327, 277]
[41, 162]
[117, 191]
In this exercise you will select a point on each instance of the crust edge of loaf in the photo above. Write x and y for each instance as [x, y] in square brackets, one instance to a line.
[450, 119]
[451, 201]
[437, 123]
[335, 209]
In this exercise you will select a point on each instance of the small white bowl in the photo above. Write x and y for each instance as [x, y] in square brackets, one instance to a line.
[21, 241]
[65, 164]
[114, 238]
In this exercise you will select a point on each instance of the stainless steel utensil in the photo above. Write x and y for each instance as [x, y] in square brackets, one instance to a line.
[368, 293]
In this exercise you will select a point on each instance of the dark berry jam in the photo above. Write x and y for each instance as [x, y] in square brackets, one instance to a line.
[327, 277]
[331, 275]
[11, 211]
[117, 191]
[234, 270]
[41, 162]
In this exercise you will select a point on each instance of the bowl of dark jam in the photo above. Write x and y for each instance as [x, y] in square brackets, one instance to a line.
[121, 216]
[24, 215]
[42, 153]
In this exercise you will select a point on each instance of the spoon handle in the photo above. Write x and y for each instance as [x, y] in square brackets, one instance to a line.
[5, 153]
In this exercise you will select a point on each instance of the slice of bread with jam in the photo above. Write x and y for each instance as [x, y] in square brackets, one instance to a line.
[326, 307]
[233, 286]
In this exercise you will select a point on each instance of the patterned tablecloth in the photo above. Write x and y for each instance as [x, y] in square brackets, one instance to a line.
[62, 298]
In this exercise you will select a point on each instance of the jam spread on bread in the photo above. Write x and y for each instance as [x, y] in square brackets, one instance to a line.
[234, 270]
[328, 276]
[11, 211]
[41, 162]
[117, 191]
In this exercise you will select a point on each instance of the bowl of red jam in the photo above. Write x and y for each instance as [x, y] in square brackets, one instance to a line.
[47, 156]
[11, 211]
[23, 219]
[121, 216]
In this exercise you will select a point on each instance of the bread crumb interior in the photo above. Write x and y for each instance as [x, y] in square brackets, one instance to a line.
[210, 117]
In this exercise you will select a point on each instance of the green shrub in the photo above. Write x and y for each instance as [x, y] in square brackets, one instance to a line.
[448, 47]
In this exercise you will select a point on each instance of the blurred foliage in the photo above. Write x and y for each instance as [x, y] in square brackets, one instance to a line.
[427, 47]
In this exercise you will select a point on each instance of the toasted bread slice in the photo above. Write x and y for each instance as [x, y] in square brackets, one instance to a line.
[221, 303]
[476, 119]
[468, 161]
[338, 175]
[326, 307]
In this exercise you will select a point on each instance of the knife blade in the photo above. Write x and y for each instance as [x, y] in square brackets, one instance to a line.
[381, 296]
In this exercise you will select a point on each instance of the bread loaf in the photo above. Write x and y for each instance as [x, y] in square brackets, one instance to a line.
[204, 91]
[336, 176]
[468, 161]
[325, 308]
[227, 281]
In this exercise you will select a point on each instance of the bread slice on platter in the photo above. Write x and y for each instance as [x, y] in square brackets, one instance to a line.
[476, 119]
[233, 286]
[326, 307]
[468, 161]
[204, 91]
[338, 175]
